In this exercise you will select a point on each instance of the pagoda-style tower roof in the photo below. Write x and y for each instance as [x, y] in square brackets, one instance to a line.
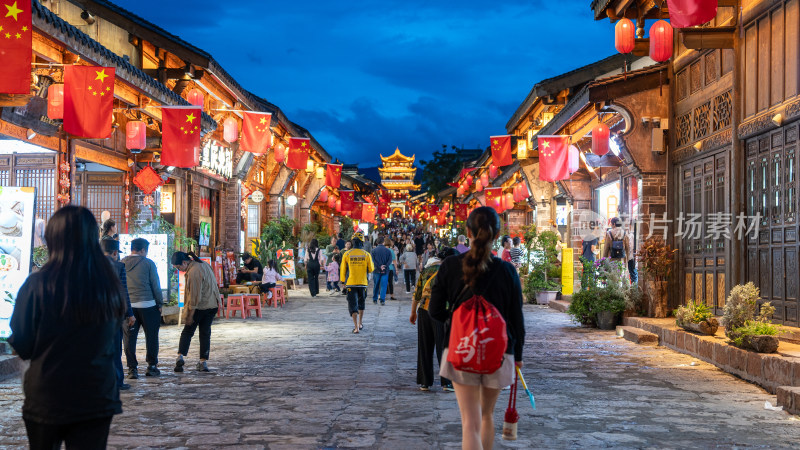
[397, 157]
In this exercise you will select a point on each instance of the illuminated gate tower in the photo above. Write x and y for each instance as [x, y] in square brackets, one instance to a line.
[397, 175]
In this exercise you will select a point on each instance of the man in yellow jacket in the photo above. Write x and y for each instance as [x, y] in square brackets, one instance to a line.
[356, 264]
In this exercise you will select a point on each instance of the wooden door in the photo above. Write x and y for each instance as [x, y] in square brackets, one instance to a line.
[704, 203]
[772, 262]
[101, 191]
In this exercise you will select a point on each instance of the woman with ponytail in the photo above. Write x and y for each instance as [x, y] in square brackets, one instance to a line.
[478, 272]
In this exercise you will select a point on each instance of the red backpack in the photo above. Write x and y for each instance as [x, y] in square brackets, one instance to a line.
[478, 337]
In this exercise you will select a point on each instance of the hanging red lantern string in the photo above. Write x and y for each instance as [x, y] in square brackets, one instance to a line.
[624, 36]
[661, 41]
[600, 135]
[195, 97]
[493, 171]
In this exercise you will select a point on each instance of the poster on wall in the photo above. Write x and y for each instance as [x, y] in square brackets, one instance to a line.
[205, 231]
[157, 251]
[16, 239]
[288, 272]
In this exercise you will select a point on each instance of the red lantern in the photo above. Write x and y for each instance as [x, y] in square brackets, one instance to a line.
[624, 36]
[339, 205]
[230, 130]
[323, 195]
[574, 159]
[135, 136]
[478, 185]
[600, 134]
[493, 171]
[484, 179]
[509, 201]
[280, 153]
[516, 193]
[661, 41]
[331, 202]
[195, 97]
[460, 191]
[55, 101]
[469, 179]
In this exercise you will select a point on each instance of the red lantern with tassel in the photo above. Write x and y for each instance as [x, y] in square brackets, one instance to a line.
[135, 136]
[230, 130]
[331, 202]
[478, 185]
[493, 171]
[509, 201]
[624, 36]
[339, 205]
[195, 97]
[55, 101]
[469, 179]
[323, 195]
[600, 135]
[661, 41]
[484, 179]
[280, 153]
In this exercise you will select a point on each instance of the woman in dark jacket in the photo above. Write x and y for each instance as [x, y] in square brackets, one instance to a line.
[497, 281]
[65, 322]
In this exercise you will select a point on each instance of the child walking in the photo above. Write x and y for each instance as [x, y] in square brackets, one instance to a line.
[333, 273]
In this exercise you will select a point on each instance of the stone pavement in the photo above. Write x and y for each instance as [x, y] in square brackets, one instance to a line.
[298, 379]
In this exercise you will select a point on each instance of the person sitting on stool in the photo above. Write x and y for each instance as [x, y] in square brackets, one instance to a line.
[251, 270]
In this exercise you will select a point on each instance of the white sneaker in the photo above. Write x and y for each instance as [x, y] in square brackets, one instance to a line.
[408, 292]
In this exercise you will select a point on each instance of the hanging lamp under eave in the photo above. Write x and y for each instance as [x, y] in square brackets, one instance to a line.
[624, 36]
[661, 41]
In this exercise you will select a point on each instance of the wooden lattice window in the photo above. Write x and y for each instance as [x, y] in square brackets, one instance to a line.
[702, 120]
[711, 67]
[722, 111]
[44, 180]
[109, 198]
[684, 129]
[695, 77]
[683, 84]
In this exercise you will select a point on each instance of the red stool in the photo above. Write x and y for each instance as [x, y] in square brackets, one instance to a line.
[278, 296]
[221, 306]
[235, 303]
[252, 302]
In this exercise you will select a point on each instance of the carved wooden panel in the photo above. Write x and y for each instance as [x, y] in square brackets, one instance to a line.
[722, 111]
[712, 67]
[709, 298]
[721, 290]
[688, 288]
[695, 77]
[683, 84]
[702, 120]
[684, 129]
[698, 287]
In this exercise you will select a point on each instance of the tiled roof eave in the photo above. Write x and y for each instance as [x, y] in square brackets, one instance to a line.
[48, 23]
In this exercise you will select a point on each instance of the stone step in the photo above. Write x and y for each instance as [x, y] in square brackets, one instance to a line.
[559, 305]
[637, 335]
[789, 398]
[10, 366]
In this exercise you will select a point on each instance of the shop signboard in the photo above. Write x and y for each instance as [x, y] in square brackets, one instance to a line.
[288, 272]
[157, 251]
[205, 232]
[217, 159]
[567, 271]
[17, 211]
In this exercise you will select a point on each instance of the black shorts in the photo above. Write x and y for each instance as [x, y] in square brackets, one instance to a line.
[356, 298]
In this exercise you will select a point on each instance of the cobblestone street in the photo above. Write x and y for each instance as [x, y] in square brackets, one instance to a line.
[298, 378]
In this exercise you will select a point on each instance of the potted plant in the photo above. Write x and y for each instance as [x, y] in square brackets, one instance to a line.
[658, 260]
[697, 317]
[543, 262]
[300, 273]
[743, 327]
[608, 304]
[582, 308]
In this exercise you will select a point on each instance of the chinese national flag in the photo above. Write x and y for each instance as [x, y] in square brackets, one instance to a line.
[688, 13]
[383, 210]
[16, 47]
[357, 212]
[256, 136]
[180, 136]
[553, 158]
[442, 218]
[348, 200]
[461, 211]
[88, 101]
[298, 153]
[333, 175]
[368, 212]
[493, 197]
[501, 151]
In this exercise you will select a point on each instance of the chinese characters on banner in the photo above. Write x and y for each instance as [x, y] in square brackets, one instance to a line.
[217, 159]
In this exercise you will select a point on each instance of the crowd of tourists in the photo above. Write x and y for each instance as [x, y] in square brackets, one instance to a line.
[73, 317]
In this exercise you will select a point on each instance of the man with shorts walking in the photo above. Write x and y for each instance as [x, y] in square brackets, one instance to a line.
[356, 264]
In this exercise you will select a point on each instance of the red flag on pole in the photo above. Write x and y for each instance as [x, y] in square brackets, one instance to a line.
[461, 211]
[501, 151]
[333, 175]
[688, 13]
[180, 136]
[357, 212]
[299, 149]
[88, 101]
[16, 47]
[348, 200]
[553, 158]
[383, 209]
[493, 197]
[368, 212]
[256, 135]
[466, 172]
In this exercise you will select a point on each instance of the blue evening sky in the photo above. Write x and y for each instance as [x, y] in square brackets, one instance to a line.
[367, 76]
